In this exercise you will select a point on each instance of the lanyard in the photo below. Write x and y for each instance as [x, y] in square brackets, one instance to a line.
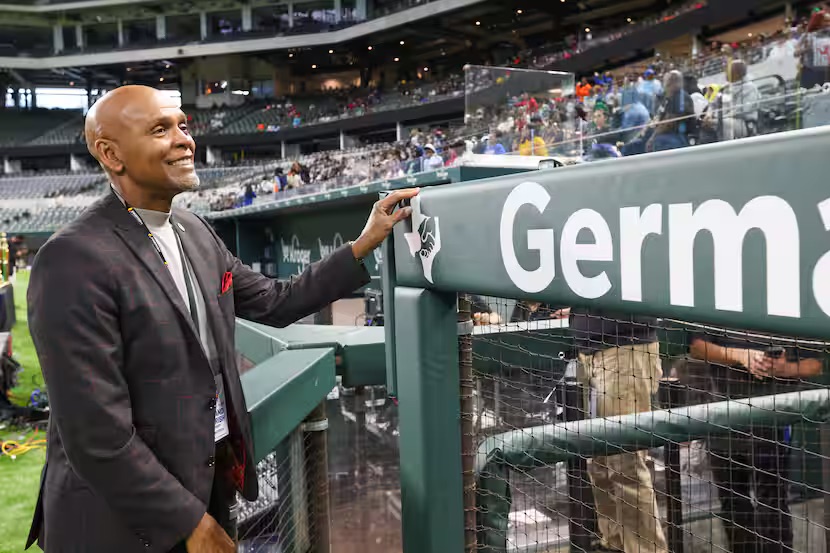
[191, 296]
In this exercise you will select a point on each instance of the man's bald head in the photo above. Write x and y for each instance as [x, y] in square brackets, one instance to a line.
[104, 119]
[139, 136]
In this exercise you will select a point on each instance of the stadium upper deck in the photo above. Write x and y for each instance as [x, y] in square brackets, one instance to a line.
[569, 128]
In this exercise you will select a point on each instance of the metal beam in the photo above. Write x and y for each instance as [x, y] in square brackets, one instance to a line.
[608, 11]
[69, 6]
[406, 17]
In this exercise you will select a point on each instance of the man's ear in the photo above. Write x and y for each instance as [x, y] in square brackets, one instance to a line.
[109, 155]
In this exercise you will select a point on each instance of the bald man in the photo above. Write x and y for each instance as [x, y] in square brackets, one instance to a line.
[132, 309]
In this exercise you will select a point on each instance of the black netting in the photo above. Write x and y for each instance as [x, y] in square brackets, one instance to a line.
[603, 431]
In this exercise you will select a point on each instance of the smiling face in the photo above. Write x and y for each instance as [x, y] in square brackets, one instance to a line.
[141, 137]
[159, 151]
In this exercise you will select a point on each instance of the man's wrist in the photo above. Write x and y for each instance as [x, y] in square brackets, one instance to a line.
[359, 249]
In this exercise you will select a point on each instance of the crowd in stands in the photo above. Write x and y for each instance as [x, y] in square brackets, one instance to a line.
[638, 109]
[609, 115]
[425, 150]
[345, 103]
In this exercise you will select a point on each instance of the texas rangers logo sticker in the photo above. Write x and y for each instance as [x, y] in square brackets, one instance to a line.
[424, 240]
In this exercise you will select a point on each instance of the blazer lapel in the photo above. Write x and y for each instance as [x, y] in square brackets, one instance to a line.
[135, 236]
[200, 255]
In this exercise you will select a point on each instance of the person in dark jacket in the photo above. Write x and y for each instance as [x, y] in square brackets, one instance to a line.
[132, 310]
[751, 470]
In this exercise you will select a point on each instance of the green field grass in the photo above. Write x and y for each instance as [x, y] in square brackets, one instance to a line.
[24, 351]
[19, 478]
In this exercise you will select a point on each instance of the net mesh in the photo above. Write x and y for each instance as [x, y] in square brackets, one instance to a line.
[282, 518]
[336, 489]
[558, 464]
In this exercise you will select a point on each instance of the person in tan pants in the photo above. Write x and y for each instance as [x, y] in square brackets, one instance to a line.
[619, 366]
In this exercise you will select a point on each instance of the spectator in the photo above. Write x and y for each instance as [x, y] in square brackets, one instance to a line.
[674, 118]
[691, 87]
[619, 362]
[249, 196]
[280, 180]
[494, 145]
[531, 143]
[650, 89]
[432, 161]
[301, 171]
[752, 472]
[741, 101]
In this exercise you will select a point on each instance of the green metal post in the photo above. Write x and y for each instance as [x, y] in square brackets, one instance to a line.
[387, 281]
[430, 432]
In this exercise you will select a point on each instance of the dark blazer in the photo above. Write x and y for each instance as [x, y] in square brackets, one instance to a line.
[129, 463]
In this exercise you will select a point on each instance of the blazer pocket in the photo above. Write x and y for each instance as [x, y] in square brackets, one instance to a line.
[225, 301]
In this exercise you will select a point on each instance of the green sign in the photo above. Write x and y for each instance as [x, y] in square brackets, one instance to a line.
[304, 238]
[734, 234]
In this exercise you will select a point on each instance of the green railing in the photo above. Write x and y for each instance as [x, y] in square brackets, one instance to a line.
[722, 236]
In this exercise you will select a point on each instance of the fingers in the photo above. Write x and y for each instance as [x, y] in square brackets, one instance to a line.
[761, 366]
[402, 214]
[389, 202]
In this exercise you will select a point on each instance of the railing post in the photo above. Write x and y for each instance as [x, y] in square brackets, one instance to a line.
[315, 429]
[432, 490]
[468, 451]
[671, 395]
[582, 516]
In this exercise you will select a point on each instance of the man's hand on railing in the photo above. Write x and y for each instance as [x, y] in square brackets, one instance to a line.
[209, 537]
[381, 220]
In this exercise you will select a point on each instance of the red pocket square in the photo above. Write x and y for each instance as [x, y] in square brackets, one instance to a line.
[227, 282]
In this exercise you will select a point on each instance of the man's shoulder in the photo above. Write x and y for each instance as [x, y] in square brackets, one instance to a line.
[181, 214]
[191, 220]
[84, 235]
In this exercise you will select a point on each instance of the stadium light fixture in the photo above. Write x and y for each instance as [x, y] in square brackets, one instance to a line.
[749, 35]
[587, 29]
[314, 66]
[369, 48]
[478, 23]
[397, 59]
[426, 69]
[402, 42]
[331, 51]
[161, 79]
[291, 55]
[71, 83]
[518, 12]
[629, 20]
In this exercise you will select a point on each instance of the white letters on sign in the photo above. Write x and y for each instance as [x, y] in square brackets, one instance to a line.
[771, 216]
[570, 252]
[821, 274]
[541, 240]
